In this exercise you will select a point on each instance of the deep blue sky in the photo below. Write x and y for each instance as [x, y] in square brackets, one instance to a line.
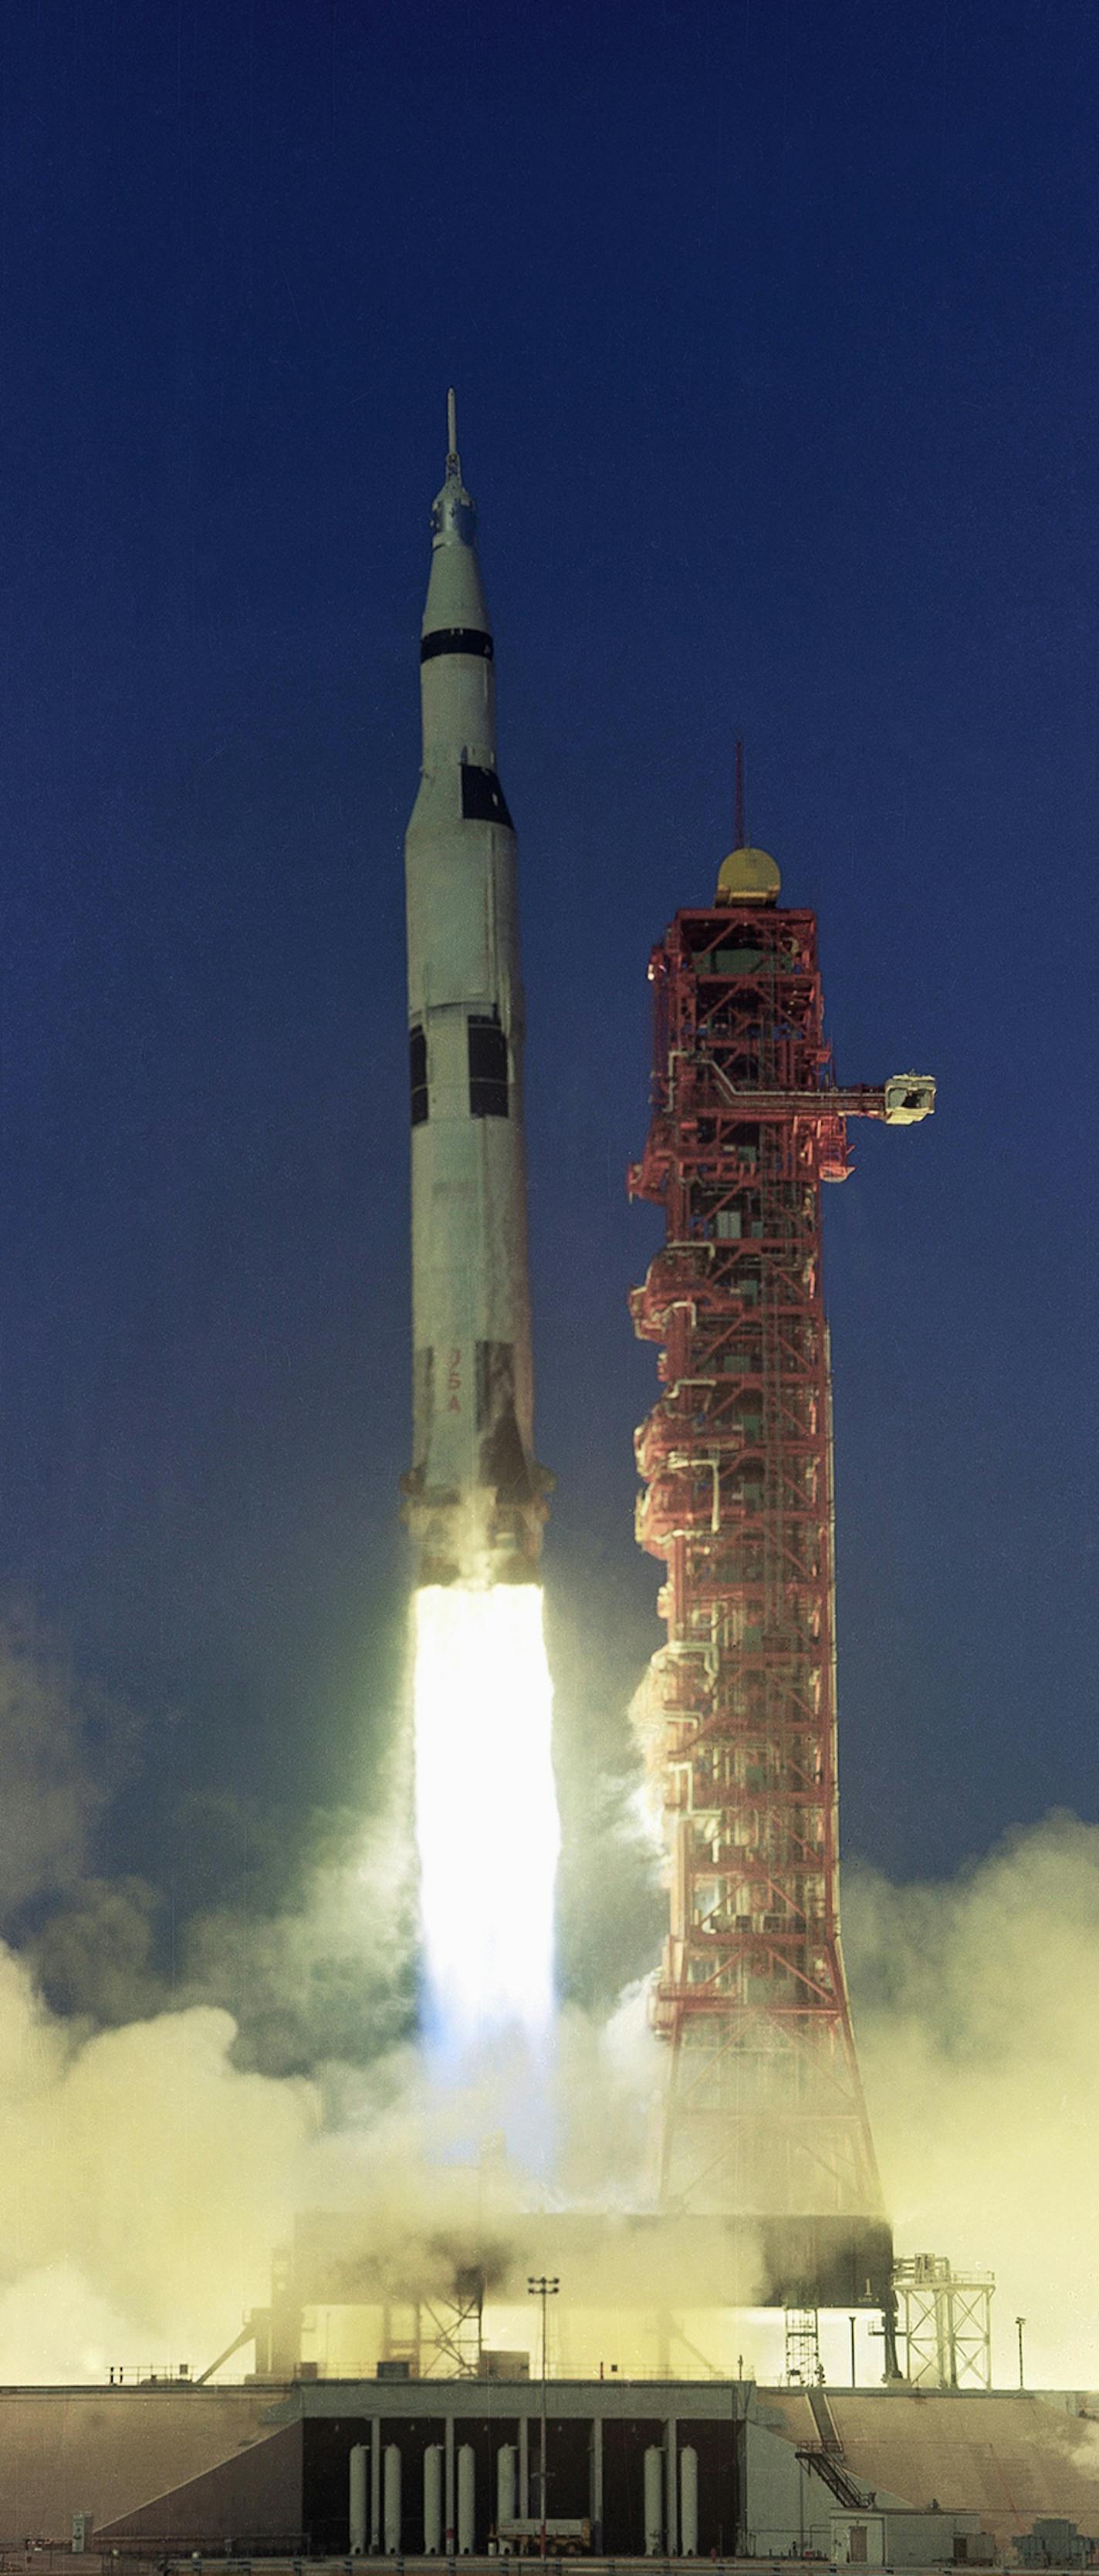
[773, 328]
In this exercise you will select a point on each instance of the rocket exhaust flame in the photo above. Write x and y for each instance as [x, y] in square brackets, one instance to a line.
[487, 1826]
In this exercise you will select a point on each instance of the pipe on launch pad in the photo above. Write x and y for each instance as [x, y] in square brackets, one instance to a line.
[391, 2499]
[467, 2473]
[356, 2518]
[433, 2499]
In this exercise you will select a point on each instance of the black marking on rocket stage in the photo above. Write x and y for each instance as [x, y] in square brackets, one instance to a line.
[488, 1066]
[417, 1053]
[483, 798]
[456, 639]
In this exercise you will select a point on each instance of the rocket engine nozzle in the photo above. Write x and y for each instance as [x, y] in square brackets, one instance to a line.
[474, 1537]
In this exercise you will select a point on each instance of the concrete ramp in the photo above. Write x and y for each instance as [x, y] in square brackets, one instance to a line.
[1007, 2457]
[104, 2451]
[252, 2500]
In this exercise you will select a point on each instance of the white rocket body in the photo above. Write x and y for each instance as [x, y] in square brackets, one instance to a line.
[474, 1495]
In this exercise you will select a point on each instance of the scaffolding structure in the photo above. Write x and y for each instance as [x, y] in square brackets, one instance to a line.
[803, 2368]
[945, 2322]
[763, 2111]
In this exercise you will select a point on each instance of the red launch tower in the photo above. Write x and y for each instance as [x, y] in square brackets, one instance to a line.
[763, 2115]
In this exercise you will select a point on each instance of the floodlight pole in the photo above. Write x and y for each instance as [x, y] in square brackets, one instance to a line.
[544, 2287]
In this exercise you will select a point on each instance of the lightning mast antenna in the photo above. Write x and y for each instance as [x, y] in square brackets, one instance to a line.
[740, 834]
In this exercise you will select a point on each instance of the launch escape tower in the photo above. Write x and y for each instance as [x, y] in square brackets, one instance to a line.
[763, 2114]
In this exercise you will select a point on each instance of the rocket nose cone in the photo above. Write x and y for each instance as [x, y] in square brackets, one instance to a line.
[455, 599]
[454, 594]
[453, 516]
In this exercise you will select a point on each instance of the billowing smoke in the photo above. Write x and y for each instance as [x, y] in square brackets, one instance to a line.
[612, 1905]
[164, 2117]
[147, 2181]
[975, 2006]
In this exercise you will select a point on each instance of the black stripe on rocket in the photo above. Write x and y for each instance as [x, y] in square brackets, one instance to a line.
[456, 639]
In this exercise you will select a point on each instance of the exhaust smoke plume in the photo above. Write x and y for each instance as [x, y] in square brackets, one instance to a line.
[147, 2181]
[975, 2017]
[151, 2168]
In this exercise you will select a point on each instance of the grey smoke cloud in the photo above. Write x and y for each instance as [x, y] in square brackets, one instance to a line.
[611, 1907]
[95, 1952]
[333, 1978]
[312, 1954]
[50, 1795]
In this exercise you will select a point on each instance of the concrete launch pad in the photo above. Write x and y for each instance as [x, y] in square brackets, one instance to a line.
[893, 2477]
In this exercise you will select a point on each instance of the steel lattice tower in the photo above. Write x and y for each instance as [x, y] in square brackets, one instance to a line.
[763, 2114]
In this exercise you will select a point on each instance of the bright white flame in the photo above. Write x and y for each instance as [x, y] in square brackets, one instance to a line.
[486, 1810]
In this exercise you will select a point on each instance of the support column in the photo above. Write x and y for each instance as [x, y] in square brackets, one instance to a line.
[688, 2502]
[596, 2490]
[505, 2486]
[671, 2444]
[391, 2497]
[655, 2470]
[467, 2500]
[524, 2468]
[356, 2504]
[376, 2485]
[433, 2499]
[448, 2485]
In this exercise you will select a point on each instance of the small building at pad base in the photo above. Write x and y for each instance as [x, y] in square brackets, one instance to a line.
[691, 2468]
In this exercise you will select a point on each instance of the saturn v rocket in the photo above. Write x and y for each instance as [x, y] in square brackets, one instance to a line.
[474, 1498]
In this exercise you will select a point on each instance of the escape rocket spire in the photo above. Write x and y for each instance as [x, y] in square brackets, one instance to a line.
[474, 1496]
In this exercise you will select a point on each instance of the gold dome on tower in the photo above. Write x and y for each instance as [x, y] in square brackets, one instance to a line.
[748, 876]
